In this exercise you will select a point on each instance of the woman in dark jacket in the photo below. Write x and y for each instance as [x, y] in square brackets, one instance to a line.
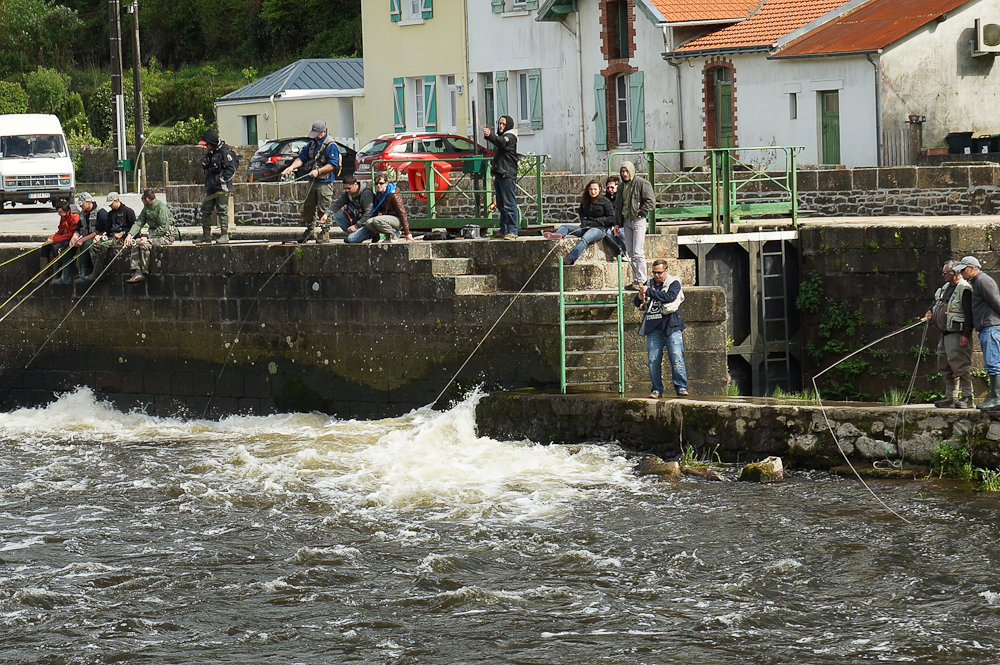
[597, 220]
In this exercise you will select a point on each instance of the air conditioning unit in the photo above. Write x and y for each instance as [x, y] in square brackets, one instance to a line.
[987, 38]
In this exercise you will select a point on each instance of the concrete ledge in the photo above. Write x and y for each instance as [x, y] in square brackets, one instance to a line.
[741, 429]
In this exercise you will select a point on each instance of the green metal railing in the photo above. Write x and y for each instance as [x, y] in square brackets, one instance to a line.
[427, 178]
[617, 305]
[723, 185]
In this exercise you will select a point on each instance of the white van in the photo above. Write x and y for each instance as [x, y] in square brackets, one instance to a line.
[35, 165]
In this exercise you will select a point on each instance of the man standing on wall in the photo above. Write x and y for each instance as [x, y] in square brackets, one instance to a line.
[220, 167]
[323, 158]
[635, 201]
[663, 327]
[952, 314]
[504, 167]
[986, 319]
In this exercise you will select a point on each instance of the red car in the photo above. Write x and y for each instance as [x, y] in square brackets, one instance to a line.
[400, 148]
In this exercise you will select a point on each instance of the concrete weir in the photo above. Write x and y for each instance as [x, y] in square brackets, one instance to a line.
[349, 330]
[742, 429]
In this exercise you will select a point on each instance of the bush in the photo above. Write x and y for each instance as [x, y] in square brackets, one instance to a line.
[13, 98]
[187, 132]
[101, 112]
[47, 90]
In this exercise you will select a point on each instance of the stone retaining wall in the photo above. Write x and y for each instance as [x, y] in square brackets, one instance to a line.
[184, 164]
[739, 431]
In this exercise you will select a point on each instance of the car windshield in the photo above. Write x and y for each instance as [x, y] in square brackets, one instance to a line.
[32, 145]
[267, 148]
[373, 147]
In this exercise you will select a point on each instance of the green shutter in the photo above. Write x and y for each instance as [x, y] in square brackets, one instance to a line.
[394, 12]
[398, 95]
[427, 10]
[497, 6]
[531, 4]
[535, 97]
[430, 104]
[601, 104]
[638, 119]
[500, 88]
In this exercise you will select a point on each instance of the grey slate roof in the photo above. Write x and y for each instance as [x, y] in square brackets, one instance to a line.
[318, 74]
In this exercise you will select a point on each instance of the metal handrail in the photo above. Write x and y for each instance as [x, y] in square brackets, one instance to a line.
[725, 196]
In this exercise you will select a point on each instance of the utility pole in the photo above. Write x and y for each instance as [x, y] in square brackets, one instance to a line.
[140, 137]
[118, 99]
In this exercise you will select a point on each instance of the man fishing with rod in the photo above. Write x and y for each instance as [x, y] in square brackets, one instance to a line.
[323, 158]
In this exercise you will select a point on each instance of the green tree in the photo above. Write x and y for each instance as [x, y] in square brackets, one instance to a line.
[13, 98]
[47, 90]
[36, 32]
[101, 113]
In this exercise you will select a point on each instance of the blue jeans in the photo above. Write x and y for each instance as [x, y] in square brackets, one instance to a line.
[504, 189]
[359, 235]
[589, 236]
[674, 343]
[989, 342]
[342, 220]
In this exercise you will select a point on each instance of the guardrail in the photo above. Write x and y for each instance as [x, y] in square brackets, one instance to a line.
[724, 185]
[429, 180]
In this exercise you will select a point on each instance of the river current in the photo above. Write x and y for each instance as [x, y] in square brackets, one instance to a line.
[300, 538]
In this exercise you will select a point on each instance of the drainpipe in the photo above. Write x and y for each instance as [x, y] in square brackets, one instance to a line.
[274, 116]
[878, 107]
[579, 65]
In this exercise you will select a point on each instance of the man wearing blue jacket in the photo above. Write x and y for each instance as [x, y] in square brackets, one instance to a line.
[323, 158]
[663, 327]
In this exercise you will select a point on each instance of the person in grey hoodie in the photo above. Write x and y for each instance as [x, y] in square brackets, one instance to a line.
[634, 202]
[986, 320]
[352, 210]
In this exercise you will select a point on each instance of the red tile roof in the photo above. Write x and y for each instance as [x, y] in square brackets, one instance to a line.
[870, 27]
[772, 20]
[686, 11]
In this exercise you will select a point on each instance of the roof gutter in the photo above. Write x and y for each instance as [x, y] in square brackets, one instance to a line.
[835, 54]
[677, 55]
[878, 108]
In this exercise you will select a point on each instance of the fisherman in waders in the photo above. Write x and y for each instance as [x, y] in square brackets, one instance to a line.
[952, 314]
[986, 319]
[220, 167]
[323, 158]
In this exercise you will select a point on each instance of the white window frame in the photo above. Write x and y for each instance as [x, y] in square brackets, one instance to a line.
[793, 106]
[408, 15]
[523, 100]
[622, 121]
[448, 112]
[417, 96]
[488, 110]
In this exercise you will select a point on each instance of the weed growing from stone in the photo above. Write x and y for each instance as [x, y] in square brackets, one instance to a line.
[951, 459]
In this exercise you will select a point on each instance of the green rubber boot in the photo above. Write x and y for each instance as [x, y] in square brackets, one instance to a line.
[993, 401]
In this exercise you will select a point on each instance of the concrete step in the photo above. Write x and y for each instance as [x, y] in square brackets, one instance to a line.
[473, 284]
[442, 267]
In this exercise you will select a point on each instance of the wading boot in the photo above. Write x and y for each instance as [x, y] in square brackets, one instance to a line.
[966, 402]
[65, 277]
[324, 236]
[206, 233]
[993, 399]
[98, 269]
[224, 235]
[948, 402]
[307, 235]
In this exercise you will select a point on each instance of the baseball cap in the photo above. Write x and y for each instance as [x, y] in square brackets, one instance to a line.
[83, 197]
[966, 262]
[112, 196]
[318, 128]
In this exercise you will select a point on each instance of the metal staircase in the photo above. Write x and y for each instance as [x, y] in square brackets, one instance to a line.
[596, 352]
[774, 312]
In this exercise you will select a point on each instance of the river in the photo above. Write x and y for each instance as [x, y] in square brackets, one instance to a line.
[306, 539]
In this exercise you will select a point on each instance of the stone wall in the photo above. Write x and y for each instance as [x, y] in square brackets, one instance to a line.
[741, 432]
[184, 164]
[353, 330]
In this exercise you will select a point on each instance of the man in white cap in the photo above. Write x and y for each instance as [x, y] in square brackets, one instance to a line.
[952, 314]
[111, 236]
[986, 319]
[322, 157]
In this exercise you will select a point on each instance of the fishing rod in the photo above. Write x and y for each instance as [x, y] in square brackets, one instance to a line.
[239, 330]
[829, 425]
[490, 331]
[23, 254]
[40, 284]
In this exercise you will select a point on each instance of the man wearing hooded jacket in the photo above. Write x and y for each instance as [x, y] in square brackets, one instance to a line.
[634, 202]
[505, 174]
[220, 167]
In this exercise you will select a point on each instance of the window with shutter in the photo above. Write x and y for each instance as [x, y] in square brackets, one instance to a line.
[394, 11]
[500, 85]
[430, 103]
[531, 4]
[498, 6]
[427, 10]
[601, 105]
[398, 107]
[535, 94]
[637, 117]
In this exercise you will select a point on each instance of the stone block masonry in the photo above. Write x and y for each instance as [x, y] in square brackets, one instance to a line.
[352, 330]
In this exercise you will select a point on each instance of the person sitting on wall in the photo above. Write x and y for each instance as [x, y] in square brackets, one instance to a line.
[352, 209]
[388, 216]
[86, 231]
[663, 327]
[162, 231]
[597, 221]
[111, 236]
[56, 244]
[952, 314]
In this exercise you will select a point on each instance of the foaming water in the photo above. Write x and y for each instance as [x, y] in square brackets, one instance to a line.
[303, 538]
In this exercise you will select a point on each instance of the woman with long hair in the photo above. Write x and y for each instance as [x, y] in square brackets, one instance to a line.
[597, 220]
